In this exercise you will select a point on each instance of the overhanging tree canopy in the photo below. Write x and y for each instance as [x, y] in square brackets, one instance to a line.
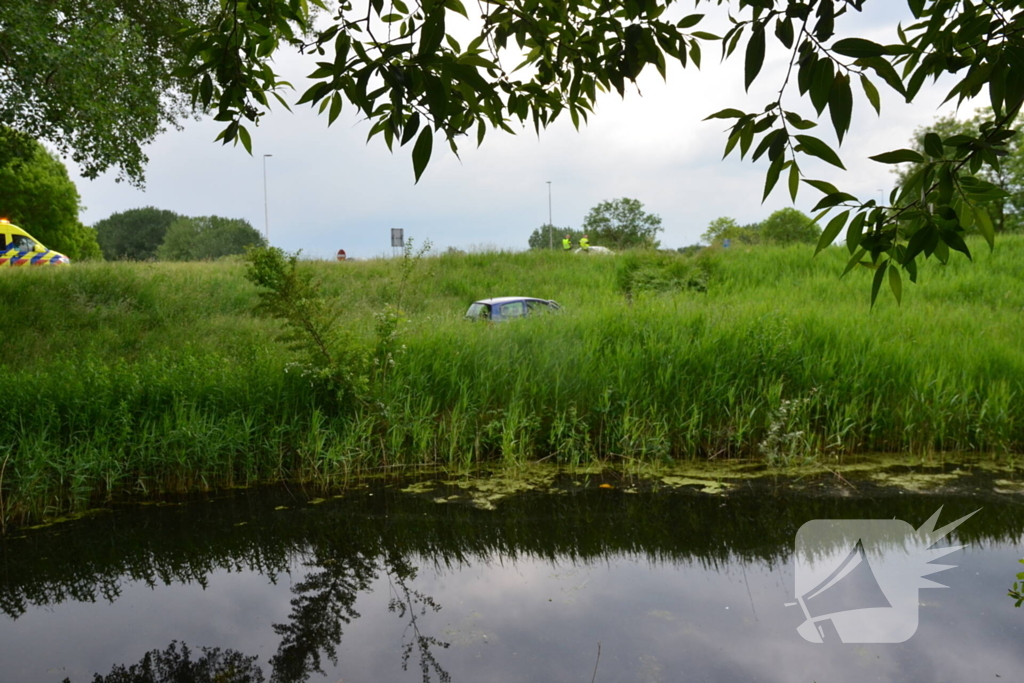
[399, 64]
[94, 77]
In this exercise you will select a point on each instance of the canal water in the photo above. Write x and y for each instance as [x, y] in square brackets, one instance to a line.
[588, 584]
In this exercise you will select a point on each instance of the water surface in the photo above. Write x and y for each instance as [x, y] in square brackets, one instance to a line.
[377, 585]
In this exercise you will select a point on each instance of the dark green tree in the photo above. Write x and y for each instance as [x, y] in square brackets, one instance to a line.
[134, 234]
[1007, 211]
[539, 237]
[789, 226]
[95, 77]
[37, 195]
[207, 237]
[622, 224]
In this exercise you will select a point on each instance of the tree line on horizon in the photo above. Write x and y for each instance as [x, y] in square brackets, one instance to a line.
[149, 233]
[615, 223]
[38, 195]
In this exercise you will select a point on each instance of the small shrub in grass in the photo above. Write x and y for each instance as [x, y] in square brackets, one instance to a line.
[331, 354]
[660, 272]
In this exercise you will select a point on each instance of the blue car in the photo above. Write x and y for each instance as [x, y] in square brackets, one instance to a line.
[509, 308]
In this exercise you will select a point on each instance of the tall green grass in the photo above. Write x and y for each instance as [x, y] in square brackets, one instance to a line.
[143, 378]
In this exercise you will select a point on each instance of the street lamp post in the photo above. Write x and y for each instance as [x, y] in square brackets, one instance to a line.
[551, 239]
[266, 212]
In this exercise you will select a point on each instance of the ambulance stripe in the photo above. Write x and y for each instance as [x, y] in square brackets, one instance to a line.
[40, 259]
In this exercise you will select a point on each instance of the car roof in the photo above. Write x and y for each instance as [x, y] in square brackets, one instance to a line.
[506, 299]
[8, 227]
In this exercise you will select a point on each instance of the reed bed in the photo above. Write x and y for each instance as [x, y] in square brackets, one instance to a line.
[146, 378]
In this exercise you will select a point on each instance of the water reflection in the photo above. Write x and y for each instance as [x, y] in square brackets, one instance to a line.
[175, 665]
[382, 586]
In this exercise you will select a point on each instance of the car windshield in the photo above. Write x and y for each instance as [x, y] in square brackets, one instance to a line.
[479, 311]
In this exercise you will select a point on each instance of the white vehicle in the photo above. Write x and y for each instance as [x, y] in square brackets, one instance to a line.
[596, 250]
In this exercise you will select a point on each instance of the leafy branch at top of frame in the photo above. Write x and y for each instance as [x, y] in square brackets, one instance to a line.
[419, 83]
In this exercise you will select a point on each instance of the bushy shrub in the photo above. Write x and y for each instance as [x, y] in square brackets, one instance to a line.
[660, 272]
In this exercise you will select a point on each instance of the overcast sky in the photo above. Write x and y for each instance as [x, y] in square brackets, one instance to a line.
[329, 189]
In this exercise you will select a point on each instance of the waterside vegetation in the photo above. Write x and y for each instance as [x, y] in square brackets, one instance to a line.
[142, 378]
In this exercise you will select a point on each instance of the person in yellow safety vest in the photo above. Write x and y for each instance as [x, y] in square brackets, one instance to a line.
[585, 244]
[566, 244]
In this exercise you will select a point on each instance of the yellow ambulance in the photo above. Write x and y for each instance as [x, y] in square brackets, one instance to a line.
[18, 248]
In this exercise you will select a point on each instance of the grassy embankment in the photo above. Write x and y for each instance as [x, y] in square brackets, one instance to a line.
[149, 377]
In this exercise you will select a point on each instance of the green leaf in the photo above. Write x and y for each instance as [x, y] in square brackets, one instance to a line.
[933, 145]
[857, 48]
[457, 6]
[794, 181]
[896, 284]
[772, 177]
[834, 199]
[872, 94]
[695, 50]
[826, 187]
[985, 226]
[919, 243]
[243, 135]
[954, 241]
[726, 114]
[831, 231]
[854, 260]
[436, 96]
[784, 32]
[821, 84]
[817, 148]
[689, 21]
[421, 151]
[855, 231]
[840, 105]
[886, 71]
[754, 57]
[335, 108]
[876, 284]
[432, 34]
[206, 90]
[898, 156]
[799, 123]
[411, 126]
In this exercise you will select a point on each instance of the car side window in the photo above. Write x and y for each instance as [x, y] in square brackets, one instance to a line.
[23, 243]
[3, 242]
[537, 307]
[513, 309]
